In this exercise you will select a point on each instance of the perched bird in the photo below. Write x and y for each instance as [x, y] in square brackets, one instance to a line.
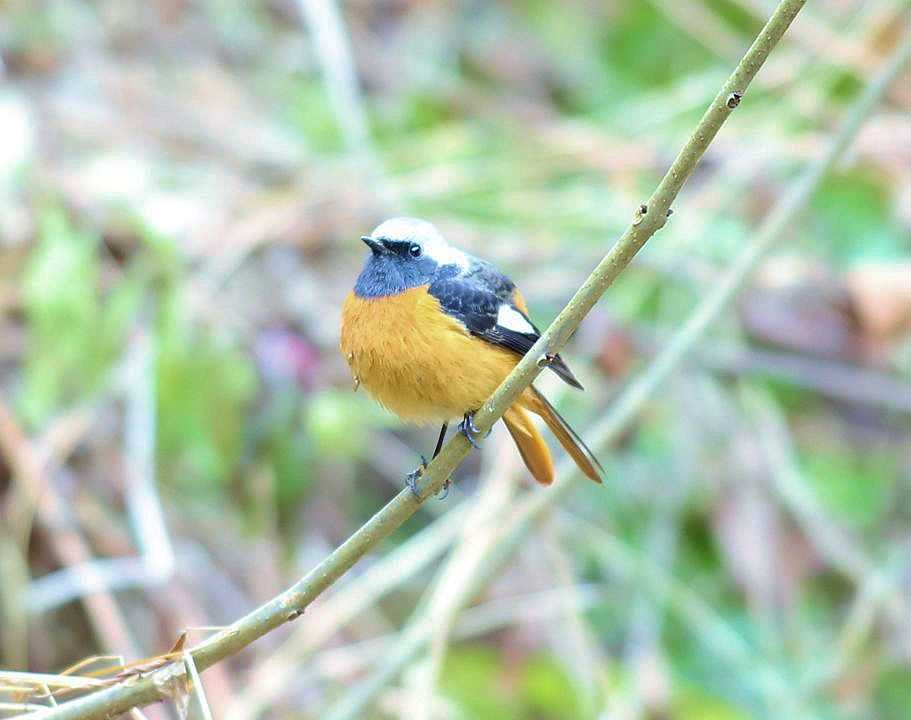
[431, 331]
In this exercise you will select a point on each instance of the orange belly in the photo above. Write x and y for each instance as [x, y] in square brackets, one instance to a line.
[415, 360]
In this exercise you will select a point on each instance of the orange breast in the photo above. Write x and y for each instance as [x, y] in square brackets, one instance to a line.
[416, 360]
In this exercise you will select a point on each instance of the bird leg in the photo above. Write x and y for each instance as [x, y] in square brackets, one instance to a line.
[436, 450]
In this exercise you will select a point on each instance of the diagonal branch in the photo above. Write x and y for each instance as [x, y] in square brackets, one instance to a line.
[517, 527]
[649, 218]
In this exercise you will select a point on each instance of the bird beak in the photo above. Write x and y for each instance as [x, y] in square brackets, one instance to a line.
[375, 245]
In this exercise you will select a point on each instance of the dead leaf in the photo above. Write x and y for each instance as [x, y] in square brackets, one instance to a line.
[881, 294]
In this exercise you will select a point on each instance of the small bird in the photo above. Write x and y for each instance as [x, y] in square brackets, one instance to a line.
[431, 331]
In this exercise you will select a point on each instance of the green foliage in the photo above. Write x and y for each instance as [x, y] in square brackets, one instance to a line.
[854, 487]
[306, 106]
[694, 704]
[418, 112]
[547, 691]
[740, 16]
[204, 383]
[851, 218]
[75, 328]
[24, 30]
[845, 85]
[285, 446]
[644, 49]
[204, 388]
[337, 424]
[893, 694]
[484, 686]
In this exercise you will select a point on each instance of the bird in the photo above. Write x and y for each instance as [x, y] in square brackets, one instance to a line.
[431, 331]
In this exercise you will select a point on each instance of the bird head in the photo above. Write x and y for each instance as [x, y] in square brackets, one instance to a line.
[406, 253]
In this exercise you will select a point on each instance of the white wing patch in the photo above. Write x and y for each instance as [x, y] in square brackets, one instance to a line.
[511, 319]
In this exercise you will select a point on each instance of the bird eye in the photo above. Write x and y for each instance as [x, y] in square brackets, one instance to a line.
[414, 250]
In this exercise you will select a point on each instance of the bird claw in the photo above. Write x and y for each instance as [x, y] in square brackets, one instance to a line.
[470, 430]
[411, 479]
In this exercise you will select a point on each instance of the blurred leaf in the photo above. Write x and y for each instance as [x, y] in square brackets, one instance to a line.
[742, 16]
[547, 692]
[309, 111]
[893, 694]
[418, 112]
[881, 297]
[336, 423]
[635, 301]
[647, 49]
[477, 678]
[846, 85]
[694, 704]
[204, 391]
[850, 218]
[74, 330]
[471, 677]
[854, 487]
[287, 447]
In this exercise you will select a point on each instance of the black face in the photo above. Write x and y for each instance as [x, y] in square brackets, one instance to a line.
[393, 267]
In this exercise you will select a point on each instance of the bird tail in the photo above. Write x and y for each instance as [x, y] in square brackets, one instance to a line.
[569, 439]
[531, 445]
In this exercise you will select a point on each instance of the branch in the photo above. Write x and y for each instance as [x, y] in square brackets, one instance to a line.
[785, 213]
[625, 409]
[649, 218]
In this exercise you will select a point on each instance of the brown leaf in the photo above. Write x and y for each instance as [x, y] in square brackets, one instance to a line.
[179, 645]
[881, 295]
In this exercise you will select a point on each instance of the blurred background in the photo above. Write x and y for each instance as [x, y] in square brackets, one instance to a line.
[182, 186]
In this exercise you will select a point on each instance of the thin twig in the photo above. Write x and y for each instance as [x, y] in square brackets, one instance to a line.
[877, 582]
[345, 604]
[37, 496]
[155, 562]
[838, 380]
[648, 219]
[197, 690]
[343, 662]
[698, 614]
[453, 587]
[333, 50]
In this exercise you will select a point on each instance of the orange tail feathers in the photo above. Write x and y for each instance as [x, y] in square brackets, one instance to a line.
[569, 439]
[531, 445]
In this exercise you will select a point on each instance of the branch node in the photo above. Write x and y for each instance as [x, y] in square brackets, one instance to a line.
[734, 99]
[294, 614]
[546, 360]
[641, 211]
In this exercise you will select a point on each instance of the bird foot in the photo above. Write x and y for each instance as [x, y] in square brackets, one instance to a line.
[470, 430]
[411, 481]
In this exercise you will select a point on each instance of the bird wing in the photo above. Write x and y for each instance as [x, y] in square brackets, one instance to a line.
[491, 307]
